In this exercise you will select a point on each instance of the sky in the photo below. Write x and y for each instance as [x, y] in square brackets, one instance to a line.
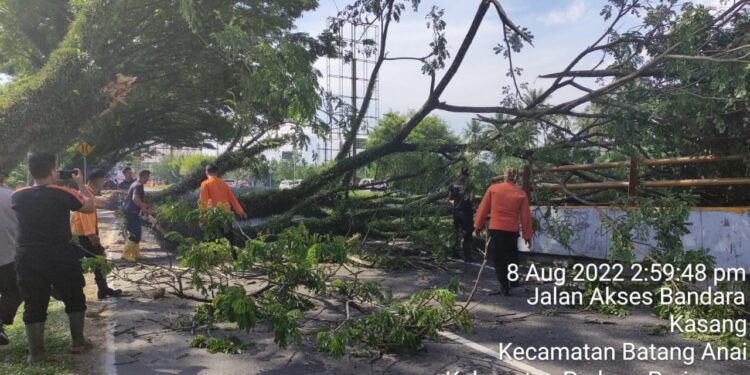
[561, 29]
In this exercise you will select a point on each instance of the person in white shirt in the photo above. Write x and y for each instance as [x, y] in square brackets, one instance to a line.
[10, 298]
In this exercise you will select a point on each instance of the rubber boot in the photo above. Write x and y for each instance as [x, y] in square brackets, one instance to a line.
[3, 336]
[455, 249]
[128, 252]
[35, 338]
[137, 251]
[77, 321]
[103, 290]
[467, 245]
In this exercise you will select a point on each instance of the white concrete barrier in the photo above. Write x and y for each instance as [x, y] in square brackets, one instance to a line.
[724, 231]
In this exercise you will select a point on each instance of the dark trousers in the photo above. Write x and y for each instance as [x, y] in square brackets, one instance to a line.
[504, 246]
[35, 279]
[133, 226]
[92, 251]
[229, 235]
[10, 297]
[465, 229]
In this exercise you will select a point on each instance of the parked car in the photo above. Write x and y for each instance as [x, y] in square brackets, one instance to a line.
[373, 185]
[289, 184]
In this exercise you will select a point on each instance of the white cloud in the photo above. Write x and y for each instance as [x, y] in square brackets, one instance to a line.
[479, 80]
[571, 14]
[718, 5]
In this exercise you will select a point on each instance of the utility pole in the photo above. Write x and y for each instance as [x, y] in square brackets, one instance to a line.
[354, 100]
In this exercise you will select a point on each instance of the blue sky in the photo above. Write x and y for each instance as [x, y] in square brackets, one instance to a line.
[561, 29]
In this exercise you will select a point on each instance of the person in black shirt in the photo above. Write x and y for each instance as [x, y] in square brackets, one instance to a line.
[460, 197]
[45, 255]
[109, 185]
[134, 205]
[125, 184]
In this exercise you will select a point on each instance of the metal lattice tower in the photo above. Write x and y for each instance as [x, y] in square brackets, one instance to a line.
[348, 78]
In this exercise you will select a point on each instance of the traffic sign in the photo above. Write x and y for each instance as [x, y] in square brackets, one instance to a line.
[84, 148]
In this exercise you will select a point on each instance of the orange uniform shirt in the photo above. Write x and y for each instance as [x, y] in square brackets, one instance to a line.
[84, 224]
[215, 192]
[505, 203]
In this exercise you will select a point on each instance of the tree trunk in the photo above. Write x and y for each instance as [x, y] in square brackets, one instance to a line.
[227, 162]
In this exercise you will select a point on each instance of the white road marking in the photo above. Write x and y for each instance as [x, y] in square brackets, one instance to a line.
[529, 370]
[109, 238]
[109, 356]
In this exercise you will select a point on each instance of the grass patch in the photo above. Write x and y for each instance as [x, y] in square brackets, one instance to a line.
[57, 340]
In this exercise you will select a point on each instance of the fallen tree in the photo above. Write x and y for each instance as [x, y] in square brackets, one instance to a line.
[261, 77]
[278, 284]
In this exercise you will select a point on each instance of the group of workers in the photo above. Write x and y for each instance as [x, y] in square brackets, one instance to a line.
[45, 231]
[39, 257]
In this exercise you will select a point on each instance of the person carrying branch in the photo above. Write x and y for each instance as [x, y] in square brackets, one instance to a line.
[507, 205]
[86, 228]
[45, 254]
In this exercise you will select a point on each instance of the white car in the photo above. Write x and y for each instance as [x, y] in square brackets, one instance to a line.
[289, 184]
[372, 184]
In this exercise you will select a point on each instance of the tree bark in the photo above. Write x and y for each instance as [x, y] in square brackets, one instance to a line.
[227, 162]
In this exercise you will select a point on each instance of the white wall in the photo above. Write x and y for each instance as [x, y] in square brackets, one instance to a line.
[724, 231]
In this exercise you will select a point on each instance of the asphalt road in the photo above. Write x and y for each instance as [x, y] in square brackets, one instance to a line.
[140, 344]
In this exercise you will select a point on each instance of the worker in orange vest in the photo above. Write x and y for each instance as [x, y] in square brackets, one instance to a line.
[215, 192]
[507, 205]
[86, 228]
